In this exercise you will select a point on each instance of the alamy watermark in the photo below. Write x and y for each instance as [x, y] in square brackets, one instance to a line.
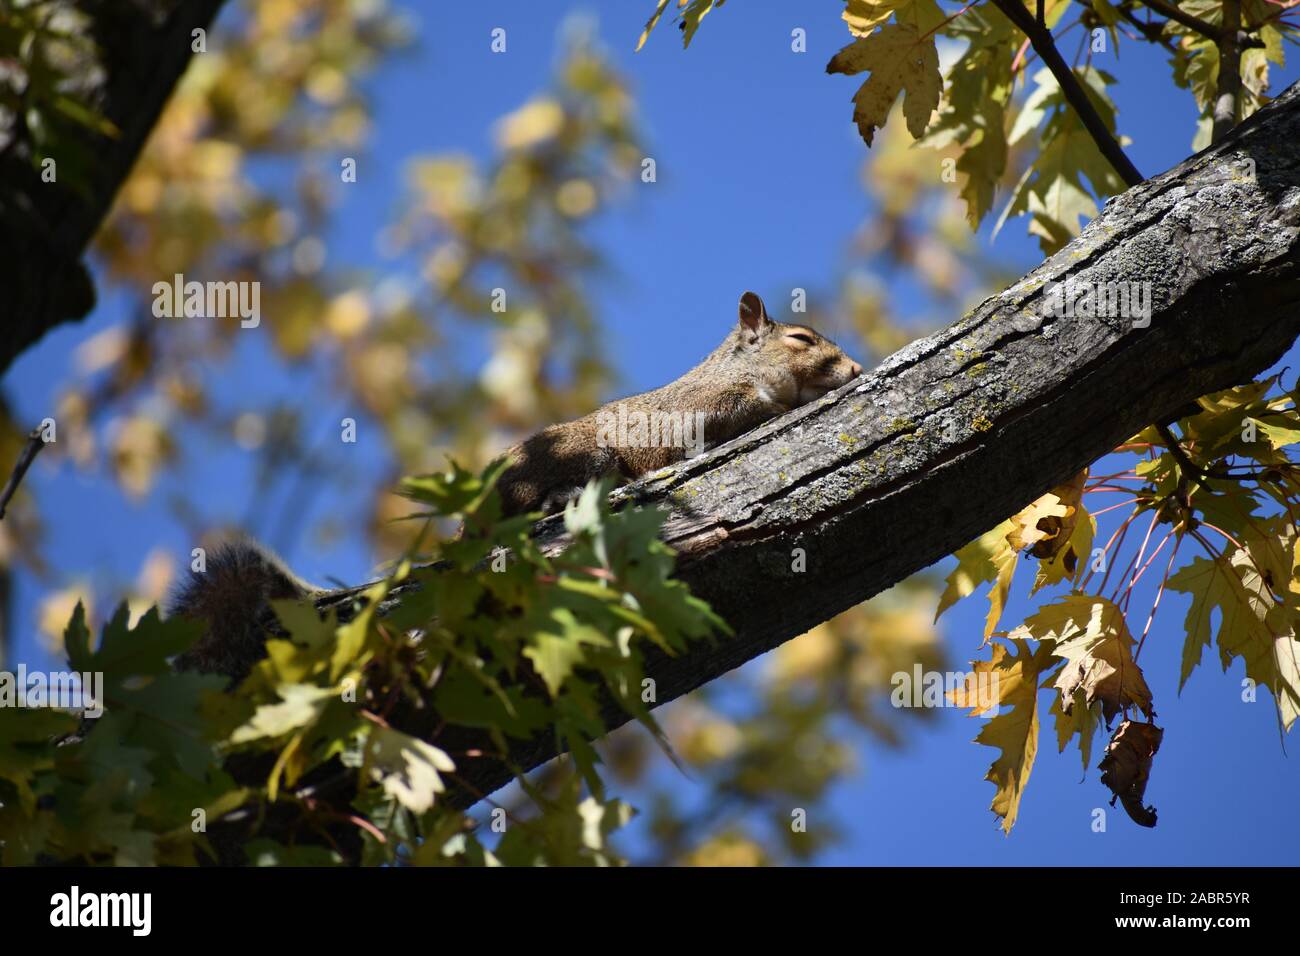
[208, 300]
[932, 689]
[133, 911]
[1075, 298]
[634, 428]
[65, 690]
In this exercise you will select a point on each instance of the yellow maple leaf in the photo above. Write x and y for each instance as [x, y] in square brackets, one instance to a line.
[1252, 625]
[1050, 525]
[901, 58]
[1013, 681]
[988, 558]
[1025, 531]
[1091, 635]
[863, 16]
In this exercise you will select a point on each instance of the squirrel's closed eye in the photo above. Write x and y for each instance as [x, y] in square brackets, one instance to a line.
[801, 337]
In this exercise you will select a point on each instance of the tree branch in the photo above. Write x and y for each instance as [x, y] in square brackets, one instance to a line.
[1151, 31]
[31, 448]
[1041, 39]
[1227, 100]
[876, 481]
[1172, 11]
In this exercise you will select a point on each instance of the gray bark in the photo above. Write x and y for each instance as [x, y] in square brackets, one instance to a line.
[961, 429]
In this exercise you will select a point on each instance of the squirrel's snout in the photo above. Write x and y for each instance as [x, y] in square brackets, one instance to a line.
[854, 369]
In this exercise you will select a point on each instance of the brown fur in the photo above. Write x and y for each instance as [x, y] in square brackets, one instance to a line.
[231, 598]
[761, 370]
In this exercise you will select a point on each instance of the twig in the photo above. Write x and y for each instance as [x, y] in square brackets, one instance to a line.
[1159, 594]
[1227, 99]
[1197, 475]
[1111, 508]
[1191, 471]
[1178, 14]
[25, 458]
[1152, 32]
[1041, 40]
[1281, 9]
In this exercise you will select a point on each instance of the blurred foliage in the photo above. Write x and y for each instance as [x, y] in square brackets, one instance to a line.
[49, 70]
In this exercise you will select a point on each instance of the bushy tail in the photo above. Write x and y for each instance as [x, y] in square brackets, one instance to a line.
[230, 596]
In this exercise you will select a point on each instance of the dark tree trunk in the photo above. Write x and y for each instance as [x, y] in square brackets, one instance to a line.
[45, 227]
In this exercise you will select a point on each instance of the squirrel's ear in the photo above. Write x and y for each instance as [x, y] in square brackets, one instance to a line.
[753, 314]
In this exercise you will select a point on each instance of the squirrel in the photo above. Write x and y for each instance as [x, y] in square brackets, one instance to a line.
[761, 370]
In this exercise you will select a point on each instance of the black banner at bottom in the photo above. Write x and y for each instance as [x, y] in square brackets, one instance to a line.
[215, 906]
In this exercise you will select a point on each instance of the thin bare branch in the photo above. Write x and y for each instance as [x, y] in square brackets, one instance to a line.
[1041, 40]
[35, 442]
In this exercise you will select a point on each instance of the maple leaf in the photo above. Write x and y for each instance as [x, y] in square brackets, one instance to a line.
[990, 557]
[1080, 718]
[1013, 680]
[688, 20]
[555, 648]
[863, 16]
[973, 116]
[409, 769]
[1054, 191]
[1126, 767]
[1252, 625]
[1049, 522]
[1046, 523]
[1090, 634]
[1065, 563]
[901, 57]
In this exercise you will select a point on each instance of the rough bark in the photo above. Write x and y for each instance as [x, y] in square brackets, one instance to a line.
[958, 430]
[45, 228]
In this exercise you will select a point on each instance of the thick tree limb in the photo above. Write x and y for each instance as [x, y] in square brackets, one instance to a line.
[961, 429]
[46, 227]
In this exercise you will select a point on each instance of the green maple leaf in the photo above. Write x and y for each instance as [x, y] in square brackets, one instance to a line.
[556, 647]
[126, 652]
[300, 705]
[976, 92]
[26, 745]
[407, 768]
[1057, 190]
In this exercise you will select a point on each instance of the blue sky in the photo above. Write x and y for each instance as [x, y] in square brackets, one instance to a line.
[758, 187]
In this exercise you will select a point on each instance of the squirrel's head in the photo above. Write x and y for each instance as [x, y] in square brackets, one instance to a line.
[794, 363]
